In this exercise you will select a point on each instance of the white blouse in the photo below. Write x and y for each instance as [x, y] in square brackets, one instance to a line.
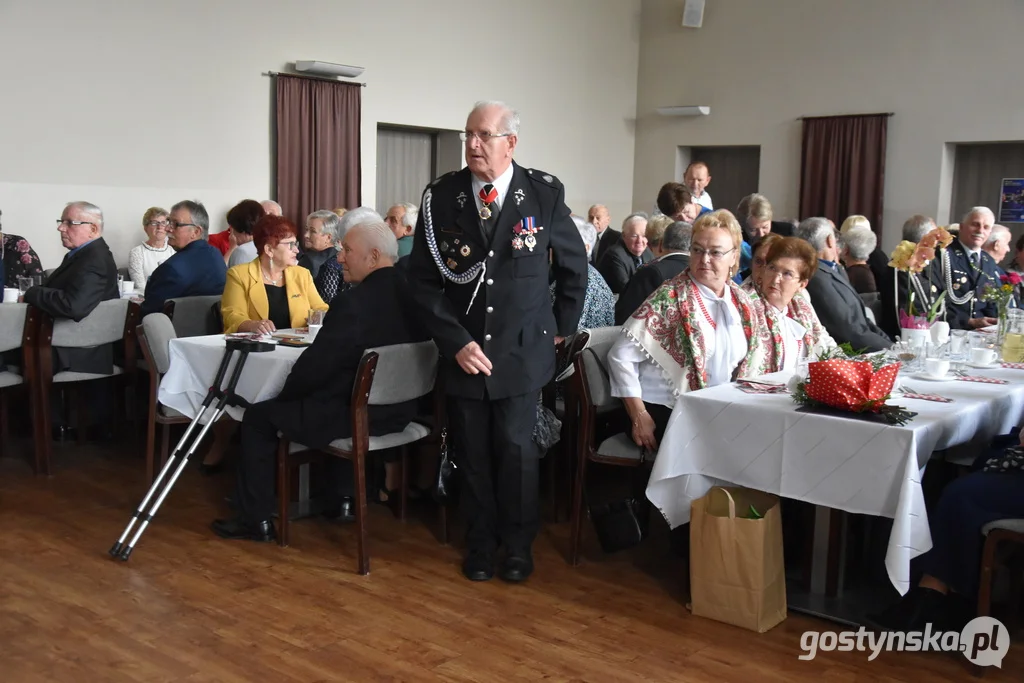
[792, 334]
[143, 260]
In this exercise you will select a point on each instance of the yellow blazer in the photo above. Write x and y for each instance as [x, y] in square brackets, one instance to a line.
[245, 297]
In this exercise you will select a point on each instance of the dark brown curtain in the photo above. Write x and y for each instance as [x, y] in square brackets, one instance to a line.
[318, 152]
[842, 167]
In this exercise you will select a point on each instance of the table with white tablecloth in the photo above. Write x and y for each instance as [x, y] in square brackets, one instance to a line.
[721, 435]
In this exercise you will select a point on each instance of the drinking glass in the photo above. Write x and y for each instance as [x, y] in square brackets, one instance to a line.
[1013, 343]
[907, 352]
[958, 348]
[24, 284]
[315, 322]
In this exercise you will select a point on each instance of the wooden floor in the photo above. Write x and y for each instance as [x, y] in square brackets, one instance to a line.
[191, 607]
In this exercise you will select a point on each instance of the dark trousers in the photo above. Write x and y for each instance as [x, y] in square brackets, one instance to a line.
[494, 450]
[257, 470]
[967, 504]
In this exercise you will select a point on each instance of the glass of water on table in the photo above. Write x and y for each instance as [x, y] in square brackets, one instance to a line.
[315, 322]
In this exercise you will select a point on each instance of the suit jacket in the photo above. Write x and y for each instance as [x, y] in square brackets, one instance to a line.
[647, 279]
[374, 313]
[618, 265]
[605, 240]
[196, 270]
[73, 290]
[245, 296]
[965, 279]
[862, 279]
[841, 311]
[508, 309]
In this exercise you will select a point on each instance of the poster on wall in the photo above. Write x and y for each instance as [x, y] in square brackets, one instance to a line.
[1011, 201]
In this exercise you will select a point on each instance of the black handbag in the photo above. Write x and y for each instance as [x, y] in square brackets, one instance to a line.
[447, 472]
[618, 524]
[1010, 460]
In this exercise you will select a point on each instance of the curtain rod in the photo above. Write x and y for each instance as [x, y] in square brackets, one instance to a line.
[312, 78]
[843, 116]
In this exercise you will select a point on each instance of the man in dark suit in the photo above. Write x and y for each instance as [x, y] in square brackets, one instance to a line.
[197, 267]
[971, 270]
[673, 257]
[625, 256]
[479, 275]
[599, 217]
[87, 276]
[836, 302]
[313, 407]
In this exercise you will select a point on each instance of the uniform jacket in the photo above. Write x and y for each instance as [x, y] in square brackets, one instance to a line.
[965, 279]
[512, 317]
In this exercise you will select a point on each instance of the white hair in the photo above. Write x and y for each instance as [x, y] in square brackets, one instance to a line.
[983, 210]
[860, 242]
[269, 204]
[378, 236]
[815, 231]
[329, 222]
[997, 232]
[362, 214]
[93, 211]
[509, 117]
[917, 227]
[587, 232]
[411, 214]
[634, 218]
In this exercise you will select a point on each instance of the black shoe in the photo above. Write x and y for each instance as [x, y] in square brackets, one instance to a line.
[919, 607]
[343, 511]
[478, 566]
[517, 567]
[239, 529]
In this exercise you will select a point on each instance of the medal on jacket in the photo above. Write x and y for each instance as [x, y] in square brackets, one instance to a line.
[488, 195]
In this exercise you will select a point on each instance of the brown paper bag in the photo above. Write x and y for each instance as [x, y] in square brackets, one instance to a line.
[736, 565]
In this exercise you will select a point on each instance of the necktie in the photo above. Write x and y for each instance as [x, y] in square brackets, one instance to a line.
[719, 369]
[974, 259]
[489, 198]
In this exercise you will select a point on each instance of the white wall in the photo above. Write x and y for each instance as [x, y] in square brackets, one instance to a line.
[133, 103]
[944, 67]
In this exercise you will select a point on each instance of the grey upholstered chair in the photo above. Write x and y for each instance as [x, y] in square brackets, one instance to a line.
[155, 335]
[18, 325]
[112, 321]
[192, 316]
[386, 376]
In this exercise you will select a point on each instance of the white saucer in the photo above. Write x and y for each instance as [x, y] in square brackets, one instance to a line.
[989, 366]
[928, 378]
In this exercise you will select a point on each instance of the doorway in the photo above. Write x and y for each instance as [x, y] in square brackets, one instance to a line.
[735, 171]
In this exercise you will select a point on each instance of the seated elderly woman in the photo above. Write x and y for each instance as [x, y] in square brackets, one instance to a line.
[599, 303]
[146, 257]
[858, 245]
[270, 292]
[794, 331]
[697, 330]
[320, 255]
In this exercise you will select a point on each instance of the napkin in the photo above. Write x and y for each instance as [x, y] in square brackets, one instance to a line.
[1013, 366]
[928, 397]
[982, 380]
[750, 388]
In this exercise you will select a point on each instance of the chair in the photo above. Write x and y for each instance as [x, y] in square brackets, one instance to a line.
[111, 321]
[155, 334]
[591, 390]
[872, 306]
[386, 376]
[192, 316]
[18, 327]
[1001, 531]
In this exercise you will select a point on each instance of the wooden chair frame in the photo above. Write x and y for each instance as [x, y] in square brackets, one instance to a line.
[155, 417]
[30, 381]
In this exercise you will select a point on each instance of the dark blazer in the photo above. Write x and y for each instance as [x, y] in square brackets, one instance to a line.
[73, 290]
[841, 311]
[618, 265]
[878, 262]
[965, 279]
[782, 228]
[374, 313]
[604, 240]
[647, 279]
[511, 316]
[196, 270]
[862, 279]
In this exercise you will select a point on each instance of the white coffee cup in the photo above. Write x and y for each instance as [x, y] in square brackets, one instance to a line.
[127, 287]
[936, 367]
[11, 295]
[983, 356]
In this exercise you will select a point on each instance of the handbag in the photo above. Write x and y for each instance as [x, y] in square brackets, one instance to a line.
[1011, 460]
[547, 430]
[617, 524]
[444, 488]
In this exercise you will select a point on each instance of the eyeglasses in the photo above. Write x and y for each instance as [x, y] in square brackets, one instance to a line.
[158, 224]
[292, 244]
[70, 223]
[714, 254]
[482, 137]
[786, 275]
[174, 225]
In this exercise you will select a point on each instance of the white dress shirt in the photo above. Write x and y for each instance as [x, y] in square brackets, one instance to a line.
[737, 339]
[704, 200]
[792, 334]
[500, 184]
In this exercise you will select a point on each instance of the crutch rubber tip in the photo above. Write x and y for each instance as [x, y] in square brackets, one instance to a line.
[126, 553]
[115, 550]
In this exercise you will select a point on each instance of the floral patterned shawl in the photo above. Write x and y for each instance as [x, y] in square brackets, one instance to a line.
[816, 339]
[666, 328]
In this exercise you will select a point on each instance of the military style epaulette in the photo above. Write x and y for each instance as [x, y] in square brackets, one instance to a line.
[438, 179]
[546, 178]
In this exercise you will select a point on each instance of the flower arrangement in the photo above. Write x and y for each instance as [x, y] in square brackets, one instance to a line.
[911, 259]
[1002, 295]
[858, 385]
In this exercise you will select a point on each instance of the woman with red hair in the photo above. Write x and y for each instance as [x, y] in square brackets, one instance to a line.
[271, 292]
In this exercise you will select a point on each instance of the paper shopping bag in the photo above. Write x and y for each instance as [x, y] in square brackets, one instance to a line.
[736, 564]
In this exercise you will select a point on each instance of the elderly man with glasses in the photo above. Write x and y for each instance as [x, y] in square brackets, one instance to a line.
[196, 269]
[87, 276]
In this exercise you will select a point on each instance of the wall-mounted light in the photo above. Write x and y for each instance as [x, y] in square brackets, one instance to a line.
[328, 69]
[684, 111]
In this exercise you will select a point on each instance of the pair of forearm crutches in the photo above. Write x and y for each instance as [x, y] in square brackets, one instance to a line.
[218, 399]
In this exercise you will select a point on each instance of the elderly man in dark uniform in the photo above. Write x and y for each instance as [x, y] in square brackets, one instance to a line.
[479, 274]
[971, 270]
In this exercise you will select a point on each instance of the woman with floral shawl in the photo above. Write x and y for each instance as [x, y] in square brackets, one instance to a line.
[697, 330]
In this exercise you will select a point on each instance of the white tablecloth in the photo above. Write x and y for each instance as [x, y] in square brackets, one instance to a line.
[724, 436]
[194, 363]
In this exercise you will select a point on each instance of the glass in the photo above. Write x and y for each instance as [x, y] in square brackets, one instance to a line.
[70, 223]
[959, 351]
[315, 322]
[908, 353]
[482, 137]
[1013, 343]
[158, 224]
[714, 254]
[787, 275]
[24, 284]
[290, 244]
